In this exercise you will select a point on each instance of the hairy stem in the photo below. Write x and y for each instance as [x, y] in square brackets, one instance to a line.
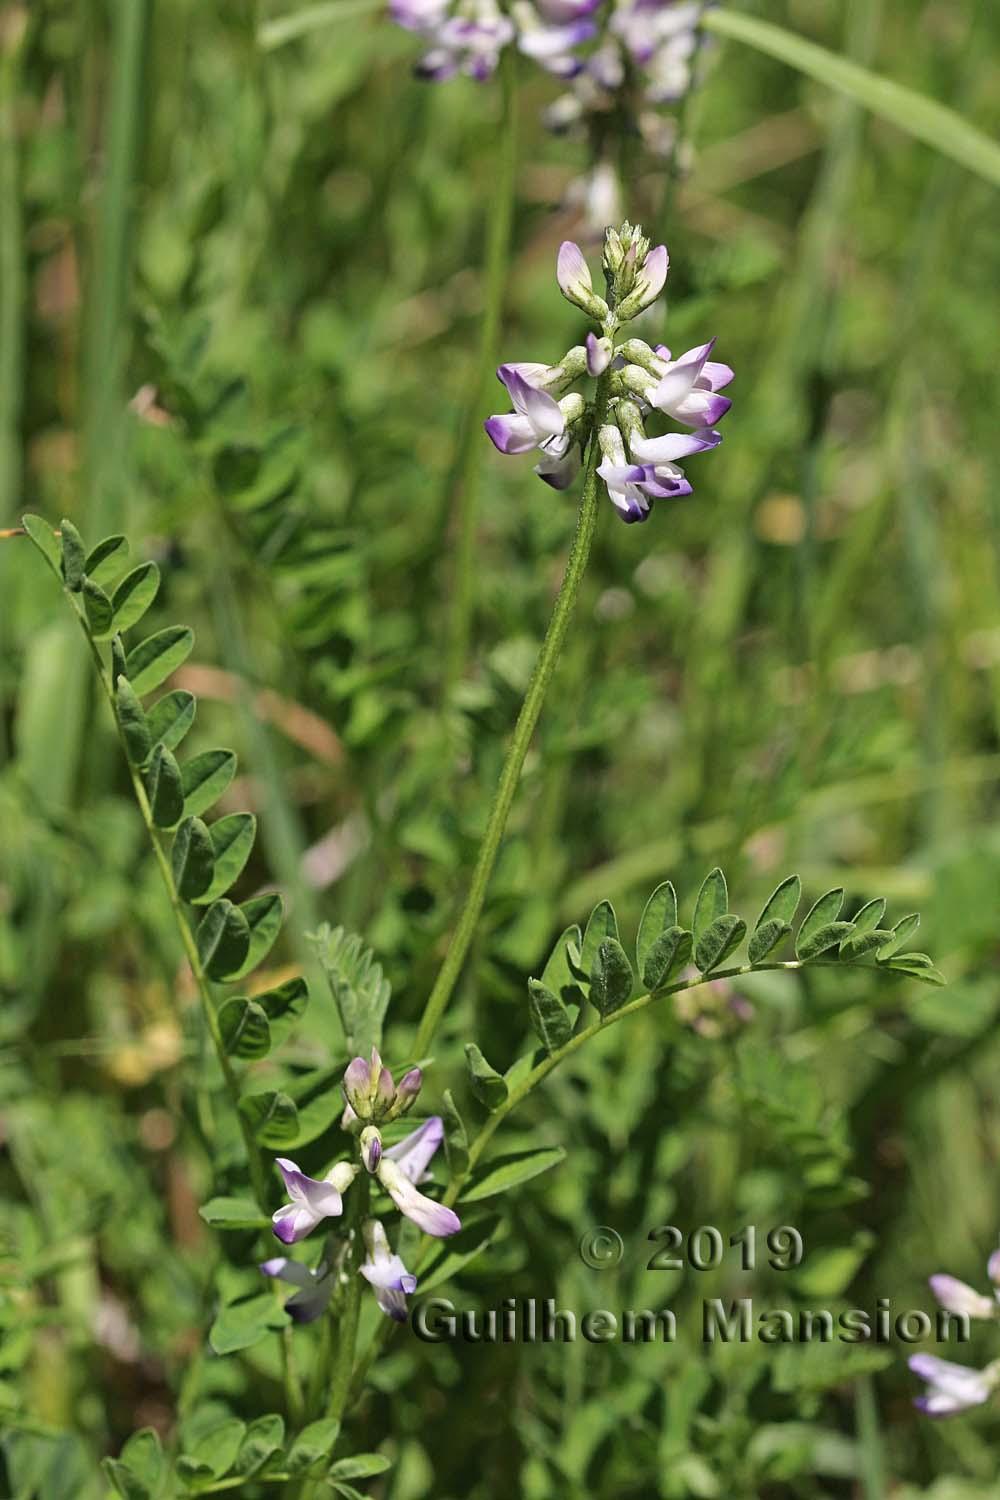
[258, 1174]
[465, 472]
[527, 719]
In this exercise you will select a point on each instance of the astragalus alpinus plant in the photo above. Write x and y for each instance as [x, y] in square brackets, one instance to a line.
[340, 1220]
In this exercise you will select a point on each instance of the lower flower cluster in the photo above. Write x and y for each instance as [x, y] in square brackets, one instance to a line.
[955, 1388]
[371, 1099]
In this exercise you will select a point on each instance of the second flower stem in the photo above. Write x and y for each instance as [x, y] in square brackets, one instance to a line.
[527, 719]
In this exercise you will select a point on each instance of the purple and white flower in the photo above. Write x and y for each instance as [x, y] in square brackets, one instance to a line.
[312, 1200]
[952, 1388]
[386, 1273]
[662, 477]
[433, 1218]
[549, 32]
[636, 469]
[403, 1166]
[958, 1297]
[371, 1094]
[464, 39]
[315, 1287]
[687, 389]
[538, 421]
[624, 481]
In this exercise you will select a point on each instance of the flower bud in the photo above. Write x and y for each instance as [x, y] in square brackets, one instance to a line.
[625, 251]
[573, 276]
[648, 283]
[409, 1088]
[993, 1268]
[356, 1085]
[371, 1148]
[600, 353]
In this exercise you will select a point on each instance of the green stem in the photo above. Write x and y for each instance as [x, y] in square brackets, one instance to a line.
[294, 1400]
[258, 1175]
[12, 271]
[527, 719]
[466, 469]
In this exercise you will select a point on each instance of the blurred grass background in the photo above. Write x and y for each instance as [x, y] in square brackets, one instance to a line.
[238, 309]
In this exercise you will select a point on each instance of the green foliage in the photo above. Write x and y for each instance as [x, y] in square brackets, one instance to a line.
[360, 991]
[599, 967]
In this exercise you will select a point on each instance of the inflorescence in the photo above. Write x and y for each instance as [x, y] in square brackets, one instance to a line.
[372, 1100]
[640, 381]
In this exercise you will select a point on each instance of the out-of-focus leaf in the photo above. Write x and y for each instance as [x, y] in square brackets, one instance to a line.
[506, 1172]
[134, 595]
[659, 915]
[273, 1117]
[171, 717]
[153, 659]
[192, 858]
[223, 939]
[244, 1028]
[711, 904]
[233, 1213]
[489, 1086]
[205, 778]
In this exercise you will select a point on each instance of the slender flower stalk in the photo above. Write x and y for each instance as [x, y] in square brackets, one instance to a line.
[510, 774]
[463, 482]
[632, 381]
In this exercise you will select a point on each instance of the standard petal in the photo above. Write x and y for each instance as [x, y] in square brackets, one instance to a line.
[957, 1297]
[537, 406]
[715, 376]
[572, 271]
[654, 272]
[413, 1153]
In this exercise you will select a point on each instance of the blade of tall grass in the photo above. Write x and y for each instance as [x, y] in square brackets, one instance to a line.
[282, 29]
[104, 407]
[13, 286]
[923, 118]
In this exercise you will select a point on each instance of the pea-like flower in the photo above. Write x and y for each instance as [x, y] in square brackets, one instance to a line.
[403, 1166]
[539, 421]
[385, 1272]
[952, 1388]
[955, 1388]
[636, 467]
[315, 1287]
[958, 1297]
[311, 1200]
